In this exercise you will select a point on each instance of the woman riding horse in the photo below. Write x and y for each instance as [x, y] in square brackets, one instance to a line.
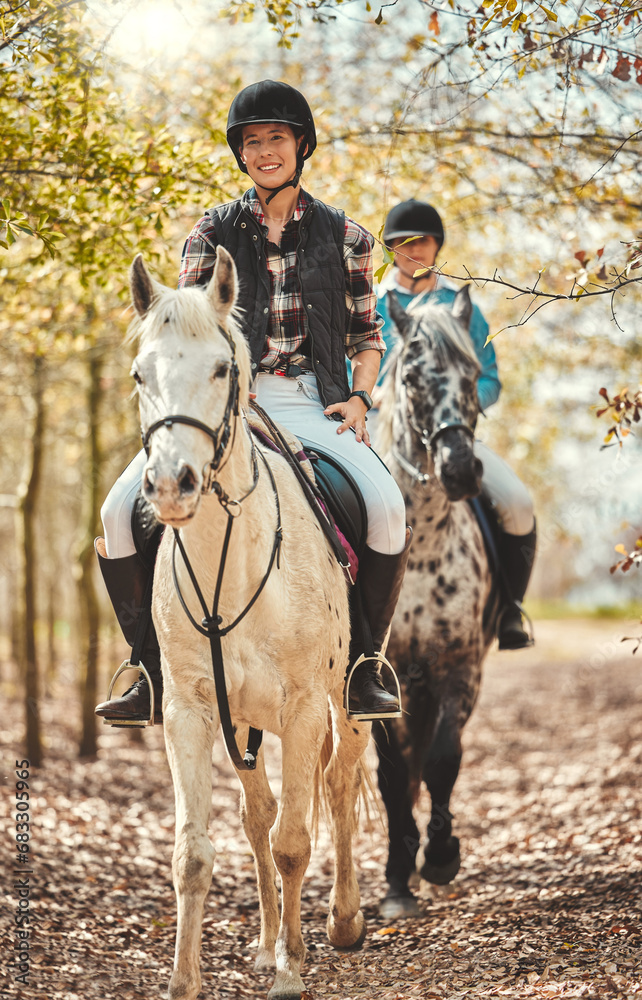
[305, 273]
[415, 232]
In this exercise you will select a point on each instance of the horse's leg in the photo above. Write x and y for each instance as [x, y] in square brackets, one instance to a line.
[301, 743]
[346, 926]
[258, 812]
[403, 835]
[441, 856]
[189, 735]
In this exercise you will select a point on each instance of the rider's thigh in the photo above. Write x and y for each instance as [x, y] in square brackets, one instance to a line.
[116, 512]
[295, 403]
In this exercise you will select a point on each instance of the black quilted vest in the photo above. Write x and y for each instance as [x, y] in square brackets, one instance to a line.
[322, 279]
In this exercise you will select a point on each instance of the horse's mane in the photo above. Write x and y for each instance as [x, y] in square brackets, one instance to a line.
[190, 313]
[451, 344]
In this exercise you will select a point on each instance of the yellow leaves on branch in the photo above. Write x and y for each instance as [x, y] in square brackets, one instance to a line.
[507, 13]
[623, 410]
[633, 558]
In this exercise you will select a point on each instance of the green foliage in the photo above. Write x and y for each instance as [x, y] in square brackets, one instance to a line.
[79, 155]
[12, 226]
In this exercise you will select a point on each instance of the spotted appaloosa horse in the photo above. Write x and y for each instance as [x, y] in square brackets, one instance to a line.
[440, 633]
[285, 623]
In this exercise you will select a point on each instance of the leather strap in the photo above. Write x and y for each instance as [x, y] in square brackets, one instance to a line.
[143, 623]
[310, 490]
[211, 627]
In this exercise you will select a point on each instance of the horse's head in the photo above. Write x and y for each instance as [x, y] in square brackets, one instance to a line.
[436, 373]
[191, 370]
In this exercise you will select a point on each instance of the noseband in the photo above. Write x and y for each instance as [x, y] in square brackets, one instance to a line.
[221, 436]
[430, 441]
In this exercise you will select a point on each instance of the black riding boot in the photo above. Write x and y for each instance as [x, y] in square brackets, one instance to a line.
[127, 581]
[516, 555]
[380, 579]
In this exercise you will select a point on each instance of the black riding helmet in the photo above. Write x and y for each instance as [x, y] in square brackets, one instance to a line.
[413, 218]
[272, 101]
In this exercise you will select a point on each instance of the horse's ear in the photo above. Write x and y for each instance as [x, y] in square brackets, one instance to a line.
[398, 314]
[463, 307]
[222, 286]
[141, 285]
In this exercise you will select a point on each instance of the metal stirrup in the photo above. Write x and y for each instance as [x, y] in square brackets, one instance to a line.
[381, 660]
[135, 723]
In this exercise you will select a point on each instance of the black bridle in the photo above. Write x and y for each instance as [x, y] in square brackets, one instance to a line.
[430, 442]
[220, 437]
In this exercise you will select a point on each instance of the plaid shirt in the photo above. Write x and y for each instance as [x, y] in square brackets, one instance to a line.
[287, 326]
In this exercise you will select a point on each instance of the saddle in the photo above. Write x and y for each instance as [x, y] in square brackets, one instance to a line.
[340, 497]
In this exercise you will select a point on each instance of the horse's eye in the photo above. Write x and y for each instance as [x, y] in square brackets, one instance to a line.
[136, 377]
[221, 370]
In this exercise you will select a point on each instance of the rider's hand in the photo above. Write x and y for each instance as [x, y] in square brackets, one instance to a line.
[353, 414]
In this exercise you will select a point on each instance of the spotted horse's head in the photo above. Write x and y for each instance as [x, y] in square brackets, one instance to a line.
[436, 404]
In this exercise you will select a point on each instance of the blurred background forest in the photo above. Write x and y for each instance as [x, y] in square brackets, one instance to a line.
[519, 121]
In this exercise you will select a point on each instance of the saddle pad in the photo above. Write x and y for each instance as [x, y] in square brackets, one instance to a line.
[343, 500]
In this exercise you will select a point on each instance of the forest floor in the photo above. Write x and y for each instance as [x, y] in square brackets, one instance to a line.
[548, 807]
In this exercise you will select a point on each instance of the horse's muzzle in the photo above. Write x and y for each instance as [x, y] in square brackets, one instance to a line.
[174, 494]
[457, 467]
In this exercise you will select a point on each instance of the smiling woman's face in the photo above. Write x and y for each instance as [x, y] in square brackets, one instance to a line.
[269, 153]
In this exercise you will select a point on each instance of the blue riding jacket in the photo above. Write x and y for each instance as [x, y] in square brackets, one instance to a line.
[488, 385]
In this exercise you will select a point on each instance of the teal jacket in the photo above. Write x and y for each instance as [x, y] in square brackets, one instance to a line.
[488, 385]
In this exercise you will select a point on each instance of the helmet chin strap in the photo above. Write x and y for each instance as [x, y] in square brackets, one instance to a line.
[294, 182]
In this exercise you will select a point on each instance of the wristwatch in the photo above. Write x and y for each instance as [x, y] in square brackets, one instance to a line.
[364, 396]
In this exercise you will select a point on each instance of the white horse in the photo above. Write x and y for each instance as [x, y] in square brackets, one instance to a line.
[285, 660]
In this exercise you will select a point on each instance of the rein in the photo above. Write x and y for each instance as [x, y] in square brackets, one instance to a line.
[210, 625]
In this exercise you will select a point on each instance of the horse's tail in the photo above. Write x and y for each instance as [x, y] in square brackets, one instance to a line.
[367, 799]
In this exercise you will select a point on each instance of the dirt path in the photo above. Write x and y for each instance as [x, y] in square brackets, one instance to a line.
[548, 807]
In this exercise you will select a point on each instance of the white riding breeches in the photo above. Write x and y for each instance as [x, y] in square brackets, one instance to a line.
[506, 491]
[295, 404]
[116, 512]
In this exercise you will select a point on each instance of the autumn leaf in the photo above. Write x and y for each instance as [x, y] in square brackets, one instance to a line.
[622, 69]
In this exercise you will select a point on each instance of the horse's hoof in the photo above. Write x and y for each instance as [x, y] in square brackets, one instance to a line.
[347, 935]
[393, 907]
[441, 862]
[289, 991]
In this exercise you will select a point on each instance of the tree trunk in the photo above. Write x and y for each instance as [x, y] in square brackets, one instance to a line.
[50, 669]
[89, 606]
[25, 530]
